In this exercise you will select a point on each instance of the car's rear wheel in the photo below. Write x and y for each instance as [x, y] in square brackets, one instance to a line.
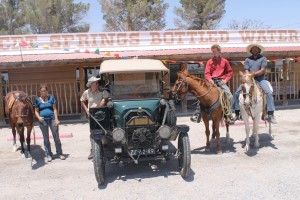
[184, 154]
[99, 165]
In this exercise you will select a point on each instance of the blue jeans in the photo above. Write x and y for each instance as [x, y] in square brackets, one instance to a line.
[226, 89]
[44, 126]
[265, 86]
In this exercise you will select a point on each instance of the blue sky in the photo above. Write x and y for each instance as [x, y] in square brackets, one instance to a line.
[279, 14]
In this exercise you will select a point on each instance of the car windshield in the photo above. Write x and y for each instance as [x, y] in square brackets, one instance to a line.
[135, 85]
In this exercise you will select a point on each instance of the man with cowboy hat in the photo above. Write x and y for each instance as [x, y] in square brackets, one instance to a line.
[257, 63]
[95, 99]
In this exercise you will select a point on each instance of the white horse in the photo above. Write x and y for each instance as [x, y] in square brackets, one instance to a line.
[251, 105]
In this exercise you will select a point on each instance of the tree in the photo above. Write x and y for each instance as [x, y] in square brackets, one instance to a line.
[247, 24]
[199, 14]
[54, 16]
[11, 20]
[133, 15]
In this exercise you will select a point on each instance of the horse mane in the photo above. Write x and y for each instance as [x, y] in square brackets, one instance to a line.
[202, 82]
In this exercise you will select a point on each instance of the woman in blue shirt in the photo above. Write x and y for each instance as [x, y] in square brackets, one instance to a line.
[46, 112]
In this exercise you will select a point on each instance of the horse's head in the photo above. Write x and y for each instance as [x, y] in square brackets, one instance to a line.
[247, 88]
[180, 87]
[22, 111]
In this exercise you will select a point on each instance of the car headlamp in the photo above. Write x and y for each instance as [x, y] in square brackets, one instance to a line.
[163, 102]
[164, 132]
[118, 134]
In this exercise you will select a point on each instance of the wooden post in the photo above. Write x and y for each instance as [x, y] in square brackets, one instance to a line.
[284, 74]
[1, 101]
[81, 85]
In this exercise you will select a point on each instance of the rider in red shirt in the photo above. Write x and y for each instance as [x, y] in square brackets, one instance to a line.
[219, 72]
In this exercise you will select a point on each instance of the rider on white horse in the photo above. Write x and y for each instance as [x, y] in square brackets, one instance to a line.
[257, 63]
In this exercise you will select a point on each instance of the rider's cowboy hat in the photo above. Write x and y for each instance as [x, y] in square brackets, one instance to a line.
[92, 80]
[249, 47]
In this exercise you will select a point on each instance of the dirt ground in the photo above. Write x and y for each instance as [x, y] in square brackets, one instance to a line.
[269, 172]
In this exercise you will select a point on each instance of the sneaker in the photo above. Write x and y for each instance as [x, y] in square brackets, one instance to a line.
[90, 157]
[237, 117]
[62, 157]
[272, 119]
[49, 158]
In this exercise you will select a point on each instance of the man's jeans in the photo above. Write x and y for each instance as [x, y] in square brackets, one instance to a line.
[265, 86]
[226, 89]
[44, 126]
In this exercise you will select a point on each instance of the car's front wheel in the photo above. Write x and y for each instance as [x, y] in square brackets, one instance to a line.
[99, 165]
[184, 154]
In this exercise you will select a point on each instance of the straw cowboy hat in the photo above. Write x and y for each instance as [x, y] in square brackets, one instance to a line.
[92, 80]
[249, 47]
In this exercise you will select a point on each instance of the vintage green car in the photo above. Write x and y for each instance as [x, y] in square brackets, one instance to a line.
[137, 123]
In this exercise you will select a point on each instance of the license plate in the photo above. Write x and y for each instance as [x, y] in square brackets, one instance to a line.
[135, 152]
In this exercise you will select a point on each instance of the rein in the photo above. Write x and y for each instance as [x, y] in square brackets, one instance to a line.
[250, 94]
[206, 92]
[185, 82]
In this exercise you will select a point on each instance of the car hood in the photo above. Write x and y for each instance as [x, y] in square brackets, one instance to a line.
[149, 105]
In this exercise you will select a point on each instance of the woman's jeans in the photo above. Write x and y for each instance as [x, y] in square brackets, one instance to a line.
[265, 86]
[44, 126]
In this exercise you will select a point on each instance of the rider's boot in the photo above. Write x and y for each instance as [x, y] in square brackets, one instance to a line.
[271, 117]
[237, 115]
[196, 117]
[230, 119]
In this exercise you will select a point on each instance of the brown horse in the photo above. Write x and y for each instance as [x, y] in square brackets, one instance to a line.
[209, 96]
[19, 110]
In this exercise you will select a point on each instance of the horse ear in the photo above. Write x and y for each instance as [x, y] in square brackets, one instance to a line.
[183, 67]
[241, 73]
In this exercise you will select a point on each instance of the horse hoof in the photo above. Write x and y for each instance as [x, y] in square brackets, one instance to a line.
[247, 149]
[15, 148]
[29, 156]
[219, 152]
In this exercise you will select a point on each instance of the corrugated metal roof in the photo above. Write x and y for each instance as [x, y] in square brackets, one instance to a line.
[85, 56]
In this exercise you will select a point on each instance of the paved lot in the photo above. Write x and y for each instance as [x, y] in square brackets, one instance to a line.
[269, 172]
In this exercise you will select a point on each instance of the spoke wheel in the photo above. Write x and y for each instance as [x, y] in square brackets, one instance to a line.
[184, 155]
[99, 165]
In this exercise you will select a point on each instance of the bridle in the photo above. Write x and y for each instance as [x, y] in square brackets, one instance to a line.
[183, 82]
[20, 99]
[249, 94]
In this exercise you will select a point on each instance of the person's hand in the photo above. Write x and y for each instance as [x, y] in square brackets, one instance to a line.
[211, 81]
[223, 82]
[57, 121]
[94, 105]
[41, 119]
[87, 113]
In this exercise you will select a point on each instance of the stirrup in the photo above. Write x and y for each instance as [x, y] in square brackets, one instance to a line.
[196, 117]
